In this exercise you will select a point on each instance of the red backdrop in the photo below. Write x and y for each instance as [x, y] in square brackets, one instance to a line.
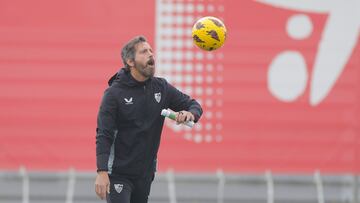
[56, 57]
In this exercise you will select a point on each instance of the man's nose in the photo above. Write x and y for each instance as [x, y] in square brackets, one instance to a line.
[151, 55]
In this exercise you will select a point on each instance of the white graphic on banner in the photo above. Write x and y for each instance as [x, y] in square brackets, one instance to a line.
[193, 71]
[339, 38]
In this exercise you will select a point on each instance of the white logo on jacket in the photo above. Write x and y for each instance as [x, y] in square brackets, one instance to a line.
[118, 187]
[157, 97]
[128, 101]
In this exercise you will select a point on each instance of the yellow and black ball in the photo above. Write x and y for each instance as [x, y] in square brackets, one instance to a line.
[209, 33]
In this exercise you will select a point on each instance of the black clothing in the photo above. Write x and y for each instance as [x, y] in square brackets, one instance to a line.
[125, 190]
[129, 123]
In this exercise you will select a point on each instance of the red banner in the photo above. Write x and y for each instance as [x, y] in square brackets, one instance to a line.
[282, 94]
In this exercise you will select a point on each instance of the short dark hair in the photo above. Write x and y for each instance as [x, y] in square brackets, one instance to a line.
[128, 51]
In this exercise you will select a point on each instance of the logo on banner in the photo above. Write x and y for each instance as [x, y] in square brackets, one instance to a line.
[289, 68]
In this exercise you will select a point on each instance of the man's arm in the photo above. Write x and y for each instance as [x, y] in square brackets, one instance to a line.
[181, 102]
[105, 133]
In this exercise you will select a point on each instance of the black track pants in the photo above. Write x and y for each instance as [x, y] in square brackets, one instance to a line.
[125, 190]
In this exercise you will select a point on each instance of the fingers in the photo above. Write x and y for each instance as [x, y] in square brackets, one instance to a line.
[189, 117]
[102, 185]
[184, 116]
[101, 190]
[178, 117]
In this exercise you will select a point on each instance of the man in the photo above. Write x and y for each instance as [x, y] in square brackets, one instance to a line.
[130, 125]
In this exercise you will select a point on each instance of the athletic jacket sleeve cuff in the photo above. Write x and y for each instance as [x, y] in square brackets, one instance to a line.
[196, 114]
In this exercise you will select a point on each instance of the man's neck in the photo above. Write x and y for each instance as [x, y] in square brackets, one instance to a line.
[136, 75]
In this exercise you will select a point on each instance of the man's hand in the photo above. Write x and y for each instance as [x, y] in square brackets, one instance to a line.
[102, 184]
[184, 116]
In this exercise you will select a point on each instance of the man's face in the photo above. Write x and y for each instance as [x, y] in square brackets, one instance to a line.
[144, 59]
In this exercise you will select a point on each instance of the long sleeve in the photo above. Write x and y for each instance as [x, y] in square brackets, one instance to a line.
[180, 101]
[106, 129]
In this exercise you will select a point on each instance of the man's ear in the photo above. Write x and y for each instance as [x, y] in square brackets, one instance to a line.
[130, 62]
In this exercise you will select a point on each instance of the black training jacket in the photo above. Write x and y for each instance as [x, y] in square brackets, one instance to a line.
[129, 123]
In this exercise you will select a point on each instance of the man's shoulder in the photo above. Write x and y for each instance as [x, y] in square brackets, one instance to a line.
[114, 89]
[160, 80]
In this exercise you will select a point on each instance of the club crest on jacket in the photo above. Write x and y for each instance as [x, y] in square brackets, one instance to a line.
[157, 97]
[118, 187]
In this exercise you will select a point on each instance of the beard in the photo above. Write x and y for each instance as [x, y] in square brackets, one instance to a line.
[147, 70]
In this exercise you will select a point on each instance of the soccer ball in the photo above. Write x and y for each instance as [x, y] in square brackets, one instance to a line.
[209, 33]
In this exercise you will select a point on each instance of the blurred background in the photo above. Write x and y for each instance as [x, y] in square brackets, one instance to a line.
[281, 98]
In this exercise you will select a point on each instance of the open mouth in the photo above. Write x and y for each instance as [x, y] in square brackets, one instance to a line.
[151, 62]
